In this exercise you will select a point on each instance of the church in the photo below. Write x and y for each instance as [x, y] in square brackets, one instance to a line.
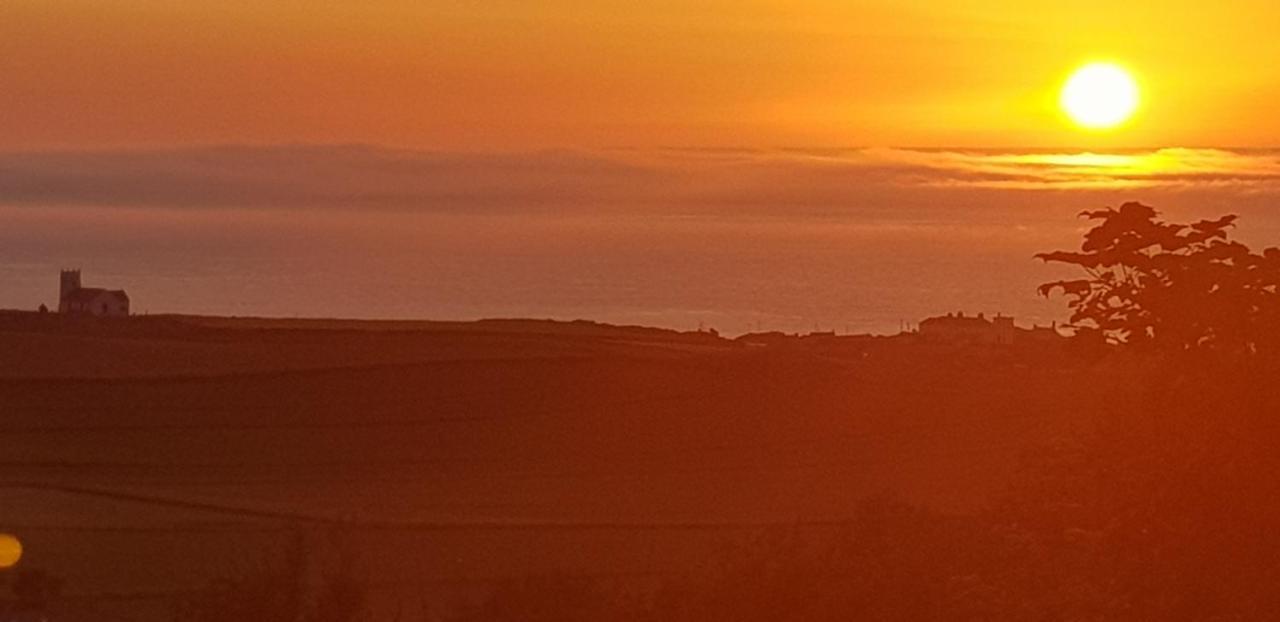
[78, 300]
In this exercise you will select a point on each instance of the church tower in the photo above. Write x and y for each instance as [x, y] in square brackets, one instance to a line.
[70, 283]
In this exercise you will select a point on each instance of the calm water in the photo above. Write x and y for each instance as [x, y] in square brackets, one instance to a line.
[736, 276]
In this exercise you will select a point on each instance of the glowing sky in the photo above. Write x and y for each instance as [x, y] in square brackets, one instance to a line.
[516, 74]
[743, 163]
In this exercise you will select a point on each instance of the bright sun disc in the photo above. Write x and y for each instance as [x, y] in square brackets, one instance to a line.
[1100, 95]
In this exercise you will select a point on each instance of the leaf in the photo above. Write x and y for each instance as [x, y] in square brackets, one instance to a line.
[1178, 286]
[1065, 257]
[1215, 225]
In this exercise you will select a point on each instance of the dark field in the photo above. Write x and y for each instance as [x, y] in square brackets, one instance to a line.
[439, 464]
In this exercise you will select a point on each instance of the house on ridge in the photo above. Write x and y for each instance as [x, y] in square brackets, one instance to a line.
[960, 329]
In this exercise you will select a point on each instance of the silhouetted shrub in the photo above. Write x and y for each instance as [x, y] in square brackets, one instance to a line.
[280, 592]
[548, 598]
[33, 591]
[1171, 286]
[891, 561]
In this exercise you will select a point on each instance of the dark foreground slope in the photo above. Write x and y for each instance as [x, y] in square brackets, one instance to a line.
[142, 459]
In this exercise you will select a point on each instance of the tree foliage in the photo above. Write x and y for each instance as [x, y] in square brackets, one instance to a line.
[283, 591]
[1170, 286]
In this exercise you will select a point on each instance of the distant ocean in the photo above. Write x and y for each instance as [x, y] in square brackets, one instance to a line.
[678, 273]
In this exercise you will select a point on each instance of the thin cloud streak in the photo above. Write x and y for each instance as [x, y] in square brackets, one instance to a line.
[684, 180]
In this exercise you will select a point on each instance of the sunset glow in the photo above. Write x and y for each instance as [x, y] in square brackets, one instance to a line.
[558, 73]
[672, 310]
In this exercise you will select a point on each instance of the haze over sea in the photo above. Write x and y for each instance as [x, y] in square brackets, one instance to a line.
[851, 240]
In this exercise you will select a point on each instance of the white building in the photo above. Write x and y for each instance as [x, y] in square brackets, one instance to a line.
[74, 299]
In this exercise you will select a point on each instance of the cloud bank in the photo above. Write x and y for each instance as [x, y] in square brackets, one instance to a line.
[673, 180]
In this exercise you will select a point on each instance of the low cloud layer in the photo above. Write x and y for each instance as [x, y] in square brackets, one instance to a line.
[303, 176]
[678, 180]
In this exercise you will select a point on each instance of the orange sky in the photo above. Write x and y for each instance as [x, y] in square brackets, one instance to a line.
[521, 74]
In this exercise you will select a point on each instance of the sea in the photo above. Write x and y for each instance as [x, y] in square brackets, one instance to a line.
[734, 276]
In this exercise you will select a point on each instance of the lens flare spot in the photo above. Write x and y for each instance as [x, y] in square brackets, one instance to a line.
[10, 551]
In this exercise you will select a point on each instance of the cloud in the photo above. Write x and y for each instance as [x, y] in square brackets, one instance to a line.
[306, 176]
[686, 181]
[1133, 169]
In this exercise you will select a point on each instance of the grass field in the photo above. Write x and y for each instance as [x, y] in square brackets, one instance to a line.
[142, 458]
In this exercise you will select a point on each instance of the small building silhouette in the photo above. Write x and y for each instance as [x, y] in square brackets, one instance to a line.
[959, 329]
[75, 299]
[969, 330]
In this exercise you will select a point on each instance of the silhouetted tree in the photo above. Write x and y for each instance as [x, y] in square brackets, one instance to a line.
[33, 591]
[279, 592]
[1168, 285]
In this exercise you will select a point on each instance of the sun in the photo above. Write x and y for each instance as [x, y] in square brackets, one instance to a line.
[1100, 96]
